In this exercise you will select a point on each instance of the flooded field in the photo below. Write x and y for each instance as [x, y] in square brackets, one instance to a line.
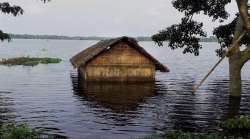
[52, 99]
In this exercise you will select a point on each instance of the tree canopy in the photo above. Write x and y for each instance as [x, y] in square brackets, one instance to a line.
[188, 32]
[7, 8]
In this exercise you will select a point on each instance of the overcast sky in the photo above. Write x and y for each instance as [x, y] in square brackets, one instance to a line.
[95, 17]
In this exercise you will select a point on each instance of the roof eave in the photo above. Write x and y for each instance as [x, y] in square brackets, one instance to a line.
[163, 68]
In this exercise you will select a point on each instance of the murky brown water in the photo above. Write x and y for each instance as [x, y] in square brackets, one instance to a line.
[51, 98]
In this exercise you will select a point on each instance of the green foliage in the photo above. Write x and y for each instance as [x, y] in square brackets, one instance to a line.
[29, 61]
[188, 32]
[241, 123]
[213, 8]
[4, 36]
[183, 135]
[7, 8]
[183, 35]
[224, 33]
[49, 60]
[11, 131]
[234, 128]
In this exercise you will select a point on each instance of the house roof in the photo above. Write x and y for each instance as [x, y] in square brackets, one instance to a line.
[82, 58]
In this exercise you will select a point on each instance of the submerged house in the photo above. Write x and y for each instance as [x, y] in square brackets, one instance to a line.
[119, 59]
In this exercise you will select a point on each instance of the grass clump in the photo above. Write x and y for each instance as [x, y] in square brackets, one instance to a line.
[238, 126]
[234, 128]
[238, 123]
[29, 61]
[183, 135]
[11, 131]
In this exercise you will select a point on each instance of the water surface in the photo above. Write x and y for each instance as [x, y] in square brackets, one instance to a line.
[50, 98]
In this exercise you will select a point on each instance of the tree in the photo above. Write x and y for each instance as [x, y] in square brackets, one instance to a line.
[14, 10]
[187, 34]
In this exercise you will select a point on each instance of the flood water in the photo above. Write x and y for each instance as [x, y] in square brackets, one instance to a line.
[50, 98]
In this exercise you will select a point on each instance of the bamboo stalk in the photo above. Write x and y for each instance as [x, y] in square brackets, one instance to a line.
[217, 64]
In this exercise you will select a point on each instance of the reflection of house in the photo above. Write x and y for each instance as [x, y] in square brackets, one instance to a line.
[120, 59]
[118, 103]
[119, 97]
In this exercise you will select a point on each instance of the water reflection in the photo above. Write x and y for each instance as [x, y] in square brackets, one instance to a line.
[209, 107]
[42, 96]
[117, 97]
[179, 110]
[229, 107]
[184, 113]
[7, 113]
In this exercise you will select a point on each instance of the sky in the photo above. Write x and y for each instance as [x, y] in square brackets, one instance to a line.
[97, 17]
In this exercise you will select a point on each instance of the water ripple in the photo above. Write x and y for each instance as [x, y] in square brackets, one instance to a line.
[51, 98]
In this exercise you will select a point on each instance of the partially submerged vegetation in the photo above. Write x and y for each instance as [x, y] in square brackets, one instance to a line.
[11, 131]
[29, 61]
[241, 123]
[234, 128]
[186, 135]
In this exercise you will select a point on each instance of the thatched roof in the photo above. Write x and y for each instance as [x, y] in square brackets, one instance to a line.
[82, 58]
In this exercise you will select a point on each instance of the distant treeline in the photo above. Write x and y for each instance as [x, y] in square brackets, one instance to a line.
[209, 39]
[56, 37]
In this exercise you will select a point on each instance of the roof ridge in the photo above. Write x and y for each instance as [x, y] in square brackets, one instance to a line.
[82, 58]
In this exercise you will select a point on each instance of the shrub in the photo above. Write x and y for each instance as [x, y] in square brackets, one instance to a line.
[10, 131]
[238, 123]
[186, 135]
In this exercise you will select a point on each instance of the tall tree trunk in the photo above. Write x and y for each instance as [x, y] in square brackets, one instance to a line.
[235, 66]
[233, 107]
